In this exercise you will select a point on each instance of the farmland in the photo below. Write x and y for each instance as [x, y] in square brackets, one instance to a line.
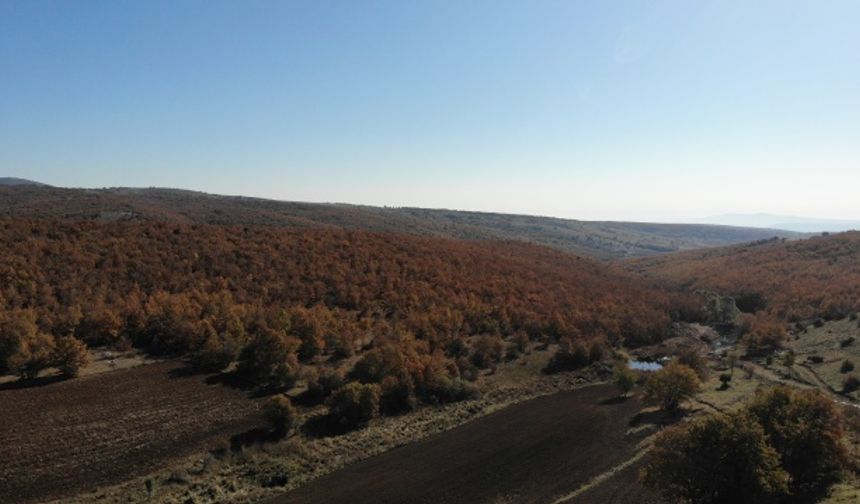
[69, 437]
[531, 453]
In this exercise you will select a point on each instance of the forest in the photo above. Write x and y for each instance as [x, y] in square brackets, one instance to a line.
[785, 280]
[425, 311]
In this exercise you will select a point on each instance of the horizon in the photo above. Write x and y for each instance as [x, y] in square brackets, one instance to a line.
[749, 220]
[661, 113]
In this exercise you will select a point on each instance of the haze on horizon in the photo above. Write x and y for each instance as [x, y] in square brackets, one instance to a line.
[665, 111]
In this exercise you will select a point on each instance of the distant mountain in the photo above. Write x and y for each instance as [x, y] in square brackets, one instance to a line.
[606, 240]
[12, 181]
[798, 224]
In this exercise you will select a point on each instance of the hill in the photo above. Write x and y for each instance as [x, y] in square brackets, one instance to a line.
[604, 240]
[13, 181]
[818, 277]
[205, 290]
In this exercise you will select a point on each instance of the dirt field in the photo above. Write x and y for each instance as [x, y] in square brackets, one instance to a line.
[531, 452]
[66, 437]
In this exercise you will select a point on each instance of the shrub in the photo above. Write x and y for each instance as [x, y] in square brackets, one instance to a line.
[788, 359]
[762, 334]
[690, 463]
[693, 360]
[398, 395]
[486, 351]
[624, 378]
[324, 383]
[269, 360]
[725, 378]
[850, 384]
[280, 413]
[847, 342]
[355, 403]
[35, 353]
[568, 359]
[815, 359]
[99, 325]
[671, 385]
[595, 352]
[15, 327]
[846, 367]
[70, 355]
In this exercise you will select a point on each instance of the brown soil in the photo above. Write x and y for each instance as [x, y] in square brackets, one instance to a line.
[622, 488]
[534, 451]
[67, 437]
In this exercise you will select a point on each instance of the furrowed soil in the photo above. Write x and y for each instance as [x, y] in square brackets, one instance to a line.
[532, 452]
[73, 436]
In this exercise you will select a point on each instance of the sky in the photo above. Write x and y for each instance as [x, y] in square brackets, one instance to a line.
[631, 110]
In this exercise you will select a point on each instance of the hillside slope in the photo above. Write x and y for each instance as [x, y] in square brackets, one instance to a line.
[792, 280]
[604, 240]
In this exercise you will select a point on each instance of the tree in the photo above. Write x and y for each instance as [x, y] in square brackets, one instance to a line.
[671, 385]
[716, 460]
[693, 359]
[625, 379]
[487, 351]
[16, 326]
[269, 360]
[806, 429]
[725, 378]
[850, 384]
[569, 357]
[70, 355]
[354, 404]
[280, 413]
[27, 350]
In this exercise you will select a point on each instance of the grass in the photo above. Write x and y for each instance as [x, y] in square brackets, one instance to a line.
[825, 342]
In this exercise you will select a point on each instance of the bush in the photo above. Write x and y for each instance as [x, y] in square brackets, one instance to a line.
[716, 460]
[487, 351]
[846, 367]
[324, 383]
[70, 355]
[762, 334]
[568, 359]
[850, 384]
[398, 395]
[269, 360]
[595, 352]
[15, 327]
[280, 413]
[847, 342]
[35, 353]
[693, 360]
[725, 378]
[355, 404]
[625, 379]
[672, 385]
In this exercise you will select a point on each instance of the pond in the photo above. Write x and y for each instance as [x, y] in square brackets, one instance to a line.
[644, 365]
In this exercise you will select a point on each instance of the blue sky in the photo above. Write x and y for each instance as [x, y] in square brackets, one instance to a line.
[604, 109]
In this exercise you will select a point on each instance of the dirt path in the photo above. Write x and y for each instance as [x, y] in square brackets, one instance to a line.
[532, 452]
[60, 439]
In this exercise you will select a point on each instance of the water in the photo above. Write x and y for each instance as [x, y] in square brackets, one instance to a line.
[644, 365]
